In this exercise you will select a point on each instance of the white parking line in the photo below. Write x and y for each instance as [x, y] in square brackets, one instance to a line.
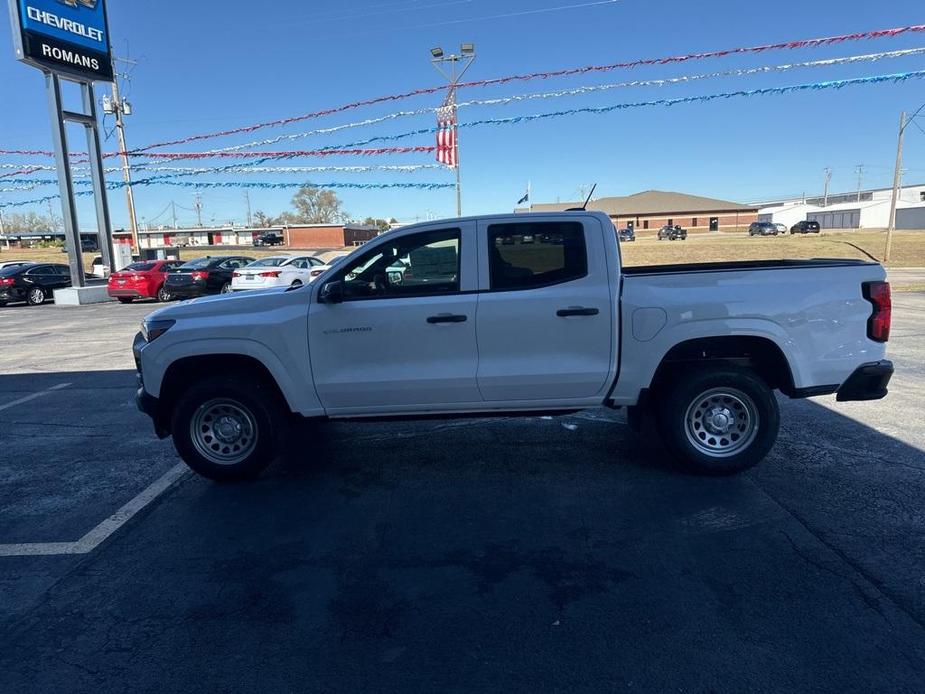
[97, 535]
[33, 396]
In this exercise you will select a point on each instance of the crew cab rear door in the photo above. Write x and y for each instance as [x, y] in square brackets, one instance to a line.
[403, 337]
[546, 320]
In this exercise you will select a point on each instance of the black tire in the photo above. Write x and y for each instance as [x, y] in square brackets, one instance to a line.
[2, 304]
[740, 401]
[35, 296]
[124, 299]
[226, 288]
[296, 283]
[253, 407]
[163, 295]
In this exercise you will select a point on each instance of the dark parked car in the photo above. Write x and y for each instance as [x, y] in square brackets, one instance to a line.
[805, 227]
[271, 238]
[86, 246]
[672, 233]
[33, 284]
[626, 234]
[202, 276]
[762, 229]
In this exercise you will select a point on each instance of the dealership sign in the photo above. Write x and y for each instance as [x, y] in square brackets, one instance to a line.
[70, 37]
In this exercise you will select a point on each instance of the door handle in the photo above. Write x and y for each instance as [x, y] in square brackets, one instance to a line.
[576, 311]
[447, 318]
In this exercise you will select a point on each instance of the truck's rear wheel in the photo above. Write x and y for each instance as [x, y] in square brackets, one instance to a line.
[225, 429]
[719, 420]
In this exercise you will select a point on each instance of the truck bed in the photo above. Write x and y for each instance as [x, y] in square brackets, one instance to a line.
[739, 265]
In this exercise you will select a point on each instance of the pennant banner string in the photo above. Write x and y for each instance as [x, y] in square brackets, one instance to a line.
[786, 45]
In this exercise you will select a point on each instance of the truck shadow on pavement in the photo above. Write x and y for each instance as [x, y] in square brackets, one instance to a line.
[523, 554]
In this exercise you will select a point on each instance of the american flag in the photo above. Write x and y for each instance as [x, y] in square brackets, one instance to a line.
[446, 131]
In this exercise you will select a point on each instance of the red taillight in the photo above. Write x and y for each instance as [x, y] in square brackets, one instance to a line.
[271, 273]
[199, 275]
[235, 274]
[315, 273]
[878, 325]
[7, 281]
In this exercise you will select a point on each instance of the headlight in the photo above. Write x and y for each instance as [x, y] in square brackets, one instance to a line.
[153, 329]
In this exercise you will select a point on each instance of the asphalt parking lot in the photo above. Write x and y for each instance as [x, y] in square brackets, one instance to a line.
[531, 554]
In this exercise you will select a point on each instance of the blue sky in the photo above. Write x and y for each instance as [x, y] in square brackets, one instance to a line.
[209, 65]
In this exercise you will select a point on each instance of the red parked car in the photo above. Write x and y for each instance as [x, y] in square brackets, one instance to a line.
[144, 280]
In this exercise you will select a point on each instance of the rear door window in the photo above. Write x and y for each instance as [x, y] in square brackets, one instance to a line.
[526, 255]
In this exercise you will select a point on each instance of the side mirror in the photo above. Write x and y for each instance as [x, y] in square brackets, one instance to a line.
[332, 293]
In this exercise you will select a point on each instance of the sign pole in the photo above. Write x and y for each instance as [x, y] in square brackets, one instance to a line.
[65, 179]
[99, 180]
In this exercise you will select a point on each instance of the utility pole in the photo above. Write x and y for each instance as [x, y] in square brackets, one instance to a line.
[6, 241]
[51, 217]
[828, 177]
[897, 179]
[466, 56]
[121, 108]
[247, 200]
[860, 169]
[198, 206]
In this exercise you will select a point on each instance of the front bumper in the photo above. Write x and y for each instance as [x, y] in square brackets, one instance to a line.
[868, 382]
[147, 403]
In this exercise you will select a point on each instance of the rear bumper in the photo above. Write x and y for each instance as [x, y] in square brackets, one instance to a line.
[116, 292]
[868, 382]
[187, 291]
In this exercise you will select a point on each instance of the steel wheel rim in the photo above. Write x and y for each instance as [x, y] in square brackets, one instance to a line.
[226, 289]
[163, 295]
[721, 422]
[224, 431]
[37, 296]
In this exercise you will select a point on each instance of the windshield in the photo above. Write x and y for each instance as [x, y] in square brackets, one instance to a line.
[196, 264]
[11, 270]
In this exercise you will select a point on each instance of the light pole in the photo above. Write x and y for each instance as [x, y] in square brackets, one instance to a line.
[453, 76]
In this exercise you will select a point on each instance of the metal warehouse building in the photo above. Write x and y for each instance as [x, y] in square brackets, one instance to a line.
[869, 209]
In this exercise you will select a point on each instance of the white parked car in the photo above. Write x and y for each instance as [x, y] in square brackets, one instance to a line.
[472, 326]
[332, 261]
[275, 271]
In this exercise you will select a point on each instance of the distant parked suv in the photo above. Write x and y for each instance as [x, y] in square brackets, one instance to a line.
[271, 238]
[672, 233]
[626, 234]
[762, 229]
[805, 227]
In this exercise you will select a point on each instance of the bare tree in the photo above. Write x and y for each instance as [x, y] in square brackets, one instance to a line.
[317, 206]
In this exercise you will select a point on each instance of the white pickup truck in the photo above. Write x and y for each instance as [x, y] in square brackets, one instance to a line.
[513, 315]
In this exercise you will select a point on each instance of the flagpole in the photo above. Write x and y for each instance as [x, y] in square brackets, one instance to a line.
[466, 56]
[456, 148]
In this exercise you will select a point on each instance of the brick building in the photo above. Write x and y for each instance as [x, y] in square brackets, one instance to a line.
[328, 235]
[653, 209]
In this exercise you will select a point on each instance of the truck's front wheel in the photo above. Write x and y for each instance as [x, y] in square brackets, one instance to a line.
[224, 429]
[719, 420]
